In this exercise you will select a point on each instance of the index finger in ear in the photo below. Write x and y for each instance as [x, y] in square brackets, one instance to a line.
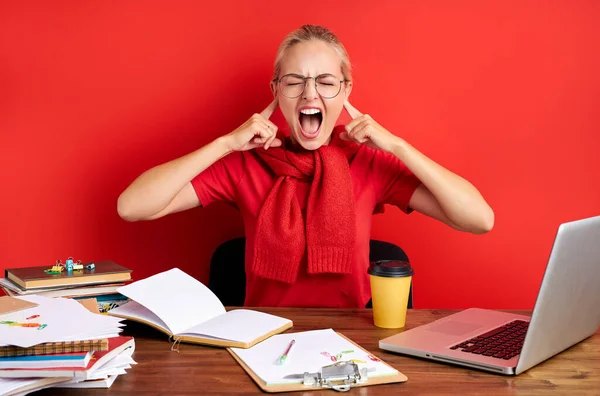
[268, 112]
[354, 113]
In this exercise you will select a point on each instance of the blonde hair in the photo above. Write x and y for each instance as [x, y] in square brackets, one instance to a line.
[313, 32]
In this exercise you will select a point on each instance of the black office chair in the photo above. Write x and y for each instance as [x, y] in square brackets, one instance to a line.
[228, 275]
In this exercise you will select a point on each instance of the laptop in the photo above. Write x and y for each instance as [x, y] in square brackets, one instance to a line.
[567, 311]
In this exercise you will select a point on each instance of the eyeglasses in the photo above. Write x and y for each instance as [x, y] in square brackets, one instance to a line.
[293, 85]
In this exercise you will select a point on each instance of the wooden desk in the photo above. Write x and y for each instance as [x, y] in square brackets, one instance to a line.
[212, 371]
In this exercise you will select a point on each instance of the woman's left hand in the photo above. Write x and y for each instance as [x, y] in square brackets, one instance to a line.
[364, 130]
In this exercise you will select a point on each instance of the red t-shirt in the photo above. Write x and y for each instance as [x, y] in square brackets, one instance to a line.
[243, 179]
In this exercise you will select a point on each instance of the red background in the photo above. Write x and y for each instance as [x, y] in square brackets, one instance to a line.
[505, 93]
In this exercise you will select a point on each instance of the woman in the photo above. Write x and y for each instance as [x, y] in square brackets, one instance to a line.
[307, 200]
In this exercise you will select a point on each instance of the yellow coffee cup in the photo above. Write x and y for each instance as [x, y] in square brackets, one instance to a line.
[390, 289]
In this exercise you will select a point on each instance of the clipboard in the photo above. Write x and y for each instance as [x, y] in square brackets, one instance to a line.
[388, 379]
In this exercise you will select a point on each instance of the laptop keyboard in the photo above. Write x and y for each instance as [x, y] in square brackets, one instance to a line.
[503, 342]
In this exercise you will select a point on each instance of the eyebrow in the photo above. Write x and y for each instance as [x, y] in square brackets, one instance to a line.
[301, 75]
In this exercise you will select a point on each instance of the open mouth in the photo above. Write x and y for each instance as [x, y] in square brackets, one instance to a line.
[310, 120]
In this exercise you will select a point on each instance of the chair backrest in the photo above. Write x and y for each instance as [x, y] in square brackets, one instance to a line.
[228, 274]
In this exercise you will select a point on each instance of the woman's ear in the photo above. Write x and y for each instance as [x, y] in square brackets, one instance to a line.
[348, 89]
[274, 88]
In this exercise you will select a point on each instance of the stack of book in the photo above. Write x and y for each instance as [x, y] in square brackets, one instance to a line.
[99, 280]
[47, 342]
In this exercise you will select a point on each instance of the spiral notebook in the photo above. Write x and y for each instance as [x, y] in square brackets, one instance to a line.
[55, 347]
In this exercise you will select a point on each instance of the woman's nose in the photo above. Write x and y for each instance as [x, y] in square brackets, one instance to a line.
[310, 90]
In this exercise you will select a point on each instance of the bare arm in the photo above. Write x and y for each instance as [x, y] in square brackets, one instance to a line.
[167, 188]
[442, 195]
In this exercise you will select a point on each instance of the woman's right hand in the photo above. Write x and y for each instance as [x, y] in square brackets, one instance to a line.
[257, 131]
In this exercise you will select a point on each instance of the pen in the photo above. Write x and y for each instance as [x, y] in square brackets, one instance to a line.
[283, 357]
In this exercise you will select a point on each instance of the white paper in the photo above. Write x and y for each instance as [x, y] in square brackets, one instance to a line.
[8, 385]
[98, 336]
[135, 310]
[107, 373]
[115, 366]
[305, 356]
[65, 320]
[90, 384]
[178, 299]
[122, 359]
[239, 325]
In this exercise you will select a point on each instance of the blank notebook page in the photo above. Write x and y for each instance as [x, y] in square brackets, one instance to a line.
[178, 299]
[238, 325]
[135, 310]
[308, 354]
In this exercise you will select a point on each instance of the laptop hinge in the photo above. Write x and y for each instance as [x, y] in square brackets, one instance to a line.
[470, 364]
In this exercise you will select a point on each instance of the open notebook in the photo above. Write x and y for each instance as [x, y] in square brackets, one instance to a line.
[311, 351]
[182, 307]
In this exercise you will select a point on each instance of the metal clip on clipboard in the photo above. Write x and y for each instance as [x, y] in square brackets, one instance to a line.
[340, 376]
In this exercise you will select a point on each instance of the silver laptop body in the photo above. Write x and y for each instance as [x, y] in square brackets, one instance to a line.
[567, 311]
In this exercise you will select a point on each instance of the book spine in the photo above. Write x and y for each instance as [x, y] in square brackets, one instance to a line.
[55, 348]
